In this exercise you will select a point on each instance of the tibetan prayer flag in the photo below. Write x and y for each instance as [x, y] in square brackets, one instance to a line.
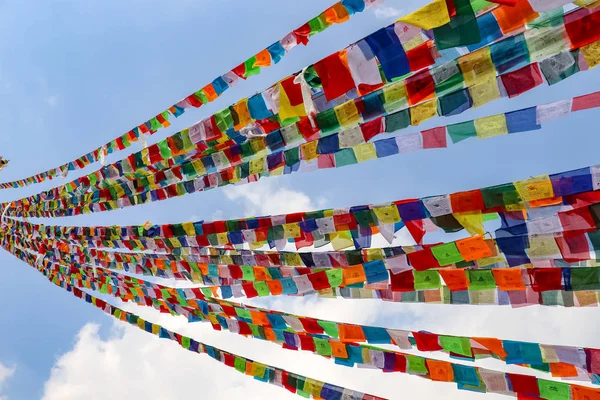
[522, 80]
[545, 42]
[508, 278]
[420, 87]
[553, 390]
[276, 51]
[395, 96]
[431, 16]
[347, 114]
[426, 341]
[447, 254]
[448, 78]
[591, 54]
[461, 30]
[389, 51]
[474, 248]
[522, 120]
[397, 121]
[535, 188]
[363, 67]
[425, 280]
[494, 125]
[455, 279]
[434, 138]
[586, 102]
[488, 29]
[420, 57]
[258, 108]
[583, 27]
[422, 112]
[291, 101]
[455, 103]
[471, 221]
[510, 53]
[481, 279]
[463, 202]
[457, 345]
[371, 106]
[484, 93]
[512, 18]
[440, 371]
[335, 76]
[560, 66]
[336, 14]
[477, 67]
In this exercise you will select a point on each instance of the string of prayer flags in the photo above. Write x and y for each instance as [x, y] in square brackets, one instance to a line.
[434, 256]
[100, 176]
[408, 260]
[444, 341]
[434, 296]
[301, 385]
[518, 195]
[330, 115]
[397, 362]
[336, 14]
[513, 79]
[515, 122]
[510, 351]
[209, 93]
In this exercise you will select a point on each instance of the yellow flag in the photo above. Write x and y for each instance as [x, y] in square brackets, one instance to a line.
[189, 229]
[430, 16]
[536, 188]
[477, 67]
[395, 96]
[257, 144]
[293, 259]
[199, 166]
[387, 214]
[591, 53]
[347, 114]
[471, 221]
[222, 238]
[494, 125]
[484, 92]
[422, 112]
[374, 254]
[257, 165]
[365, 152]
[341, 240]
[543, 248]
[309, 150]
[226, 259]
[277, 171]
[291, 230]
[587, 3]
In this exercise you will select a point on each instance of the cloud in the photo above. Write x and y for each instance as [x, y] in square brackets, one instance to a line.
[383, 12]
[5, 374]
[270, 197]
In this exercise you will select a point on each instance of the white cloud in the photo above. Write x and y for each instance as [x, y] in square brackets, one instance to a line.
[270, 196]
[383, 12]
[5, 374]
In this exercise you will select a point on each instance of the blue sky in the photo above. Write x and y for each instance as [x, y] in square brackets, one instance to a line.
[76, 74]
